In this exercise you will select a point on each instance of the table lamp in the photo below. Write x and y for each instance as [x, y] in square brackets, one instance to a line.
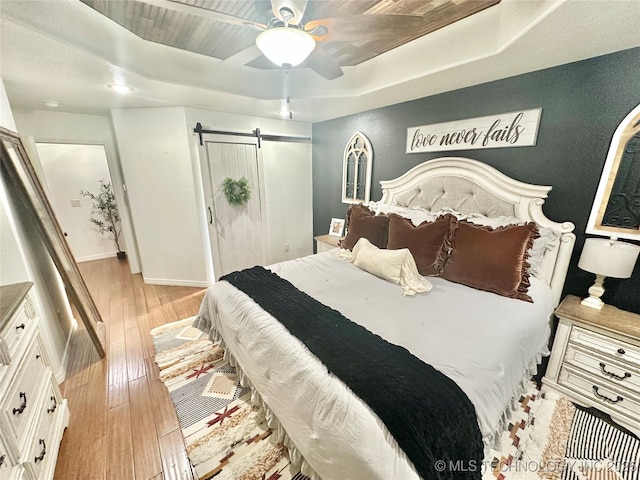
[606, 258]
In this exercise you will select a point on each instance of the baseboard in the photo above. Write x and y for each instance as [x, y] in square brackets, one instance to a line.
[176, 283]
[100, 256]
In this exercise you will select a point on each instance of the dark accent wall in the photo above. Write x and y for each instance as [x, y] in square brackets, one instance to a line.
[582, 104]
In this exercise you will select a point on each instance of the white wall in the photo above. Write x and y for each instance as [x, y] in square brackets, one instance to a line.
[48, 126]
[161, 164]
[6, 117]
[289, 204]
[156, 162]
[70, 169]
[13, 266]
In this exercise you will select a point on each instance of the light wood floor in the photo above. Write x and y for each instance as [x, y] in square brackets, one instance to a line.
[123, 425]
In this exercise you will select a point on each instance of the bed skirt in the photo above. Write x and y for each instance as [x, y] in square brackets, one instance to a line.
[491, 441]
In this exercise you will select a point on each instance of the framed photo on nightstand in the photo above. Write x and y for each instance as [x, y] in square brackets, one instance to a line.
[337, 227]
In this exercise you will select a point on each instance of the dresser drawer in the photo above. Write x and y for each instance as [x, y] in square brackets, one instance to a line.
[43, 446]
[606, 369]
[18, 408]
[621, 351]
[17, 328]
[6, 465]
[603, 394]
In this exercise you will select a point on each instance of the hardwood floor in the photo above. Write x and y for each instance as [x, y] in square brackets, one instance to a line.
[123, 425]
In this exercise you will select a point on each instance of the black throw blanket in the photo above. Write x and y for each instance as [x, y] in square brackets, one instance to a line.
[430, 417]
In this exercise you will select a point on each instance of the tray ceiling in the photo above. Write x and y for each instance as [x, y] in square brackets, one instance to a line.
[356, 30]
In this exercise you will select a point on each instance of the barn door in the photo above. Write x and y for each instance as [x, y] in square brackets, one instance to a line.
[236, 232]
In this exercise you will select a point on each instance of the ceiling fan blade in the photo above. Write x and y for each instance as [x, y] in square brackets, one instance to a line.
[364, 27]
[319, 61]
[323, 64]
[296, 7]
[262, 62]
[243, 57]
[205, 13]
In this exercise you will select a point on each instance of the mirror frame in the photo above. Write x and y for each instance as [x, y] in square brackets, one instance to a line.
[19, 171]
[594, 225]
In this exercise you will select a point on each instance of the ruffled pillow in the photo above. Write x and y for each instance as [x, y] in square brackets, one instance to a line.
[494, 260]
[429, 242]
[363, 222]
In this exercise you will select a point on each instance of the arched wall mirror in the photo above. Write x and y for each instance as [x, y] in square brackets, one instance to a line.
[356, 169]
[616, 208]
[17, 169]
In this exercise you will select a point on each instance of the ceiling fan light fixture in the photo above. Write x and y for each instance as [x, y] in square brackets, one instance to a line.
[285, 45]
[121, 88]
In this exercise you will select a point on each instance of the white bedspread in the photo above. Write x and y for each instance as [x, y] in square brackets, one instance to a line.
[484, 342]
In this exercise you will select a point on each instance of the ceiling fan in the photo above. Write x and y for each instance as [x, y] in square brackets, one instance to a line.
[294, 37]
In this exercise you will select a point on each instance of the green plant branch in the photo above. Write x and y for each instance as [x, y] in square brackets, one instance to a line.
[104, 212]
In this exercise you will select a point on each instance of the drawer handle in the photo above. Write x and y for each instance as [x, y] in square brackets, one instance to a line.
[613, 375]
[21, 326]
[55, 405]
[621, 351]
[605, 398]
[2, 460]
[23, 405]
[43, 452]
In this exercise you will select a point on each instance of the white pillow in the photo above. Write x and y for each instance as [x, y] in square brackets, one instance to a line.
[395, 266]
[416, 215]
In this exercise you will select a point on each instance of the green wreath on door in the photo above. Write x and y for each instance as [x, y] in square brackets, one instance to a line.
[237, 192]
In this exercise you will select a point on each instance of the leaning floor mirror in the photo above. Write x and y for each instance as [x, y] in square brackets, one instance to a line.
[17, 170]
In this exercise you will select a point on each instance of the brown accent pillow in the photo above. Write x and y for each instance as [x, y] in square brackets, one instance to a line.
[363, 222]
[489, 259]
[429, 242]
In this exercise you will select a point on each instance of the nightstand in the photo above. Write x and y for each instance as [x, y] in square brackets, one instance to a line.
[326, 242]
[595, 360]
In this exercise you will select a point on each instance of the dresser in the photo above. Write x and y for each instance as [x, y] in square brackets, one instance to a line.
[33, 414]
[595, 360]
[326, 242]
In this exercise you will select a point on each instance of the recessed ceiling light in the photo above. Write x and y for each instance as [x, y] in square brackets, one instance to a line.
[121, 88]
[52, 103]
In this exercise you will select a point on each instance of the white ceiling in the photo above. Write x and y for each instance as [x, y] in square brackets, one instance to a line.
[63, 50]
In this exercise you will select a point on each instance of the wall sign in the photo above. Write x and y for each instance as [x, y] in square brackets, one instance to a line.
[513, 129]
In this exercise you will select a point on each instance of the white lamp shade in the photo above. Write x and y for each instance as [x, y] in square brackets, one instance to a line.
[609, 258]
[285, 45]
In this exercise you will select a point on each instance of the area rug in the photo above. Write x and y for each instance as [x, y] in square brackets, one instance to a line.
[546, 437]
[226, 437]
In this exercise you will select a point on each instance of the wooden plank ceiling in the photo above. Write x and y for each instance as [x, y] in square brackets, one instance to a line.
[356, 32]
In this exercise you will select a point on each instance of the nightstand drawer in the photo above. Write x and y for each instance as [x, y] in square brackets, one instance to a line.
[621, 351]
[604, 368]
[599, 392]
[323, 247]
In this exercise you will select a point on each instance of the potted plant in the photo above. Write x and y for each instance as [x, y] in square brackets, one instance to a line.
[104, 213]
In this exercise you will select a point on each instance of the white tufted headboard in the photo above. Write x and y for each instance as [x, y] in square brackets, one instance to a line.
[470, 186]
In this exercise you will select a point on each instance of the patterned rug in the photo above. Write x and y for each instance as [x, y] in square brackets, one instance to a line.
[225, 435]
[547, 437]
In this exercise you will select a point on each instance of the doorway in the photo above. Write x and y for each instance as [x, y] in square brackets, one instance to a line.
[237, 233]
[69, 169]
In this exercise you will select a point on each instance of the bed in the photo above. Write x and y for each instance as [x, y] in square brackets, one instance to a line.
[488, 344]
